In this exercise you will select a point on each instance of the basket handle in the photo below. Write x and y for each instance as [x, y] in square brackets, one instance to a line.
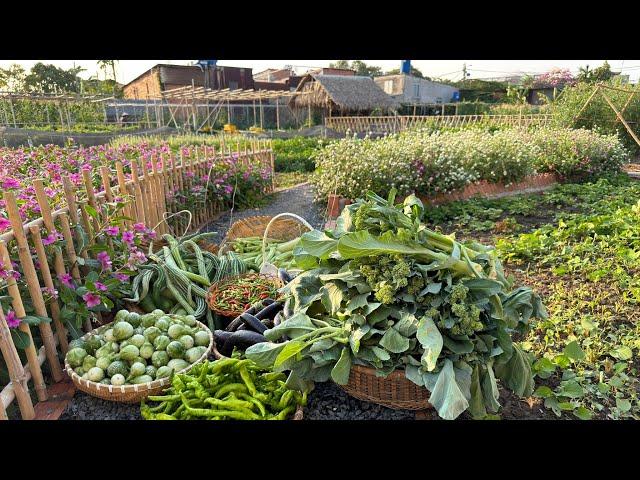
[266, 231]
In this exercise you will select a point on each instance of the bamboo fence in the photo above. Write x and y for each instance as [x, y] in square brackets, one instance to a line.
[398, 123]
[145, 201]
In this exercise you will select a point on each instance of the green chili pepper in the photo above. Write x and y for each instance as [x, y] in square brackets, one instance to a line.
[234, 404]
[273, 376]
[255, 402]
[164, 416]
[286, 398]
[164, 398]
[284, 413]
[230, 387]
[246, 378]
[221, 364]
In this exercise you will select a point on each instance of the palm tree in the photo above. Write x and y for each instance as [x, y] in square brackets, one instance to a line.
[104, 65]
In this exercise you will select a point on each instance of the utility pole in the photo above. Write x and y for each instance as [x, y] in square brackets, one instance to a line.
[464, 73]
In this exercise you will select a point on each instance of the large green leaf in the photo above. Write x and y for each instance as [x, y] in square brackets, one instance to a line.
[490, 389]
[20, 338]
[476, 404]
[407, 325]
[446, 396]
[458, 345]
[318, 244]
[483, 287]
[357, 301]
[431, 340]
[356, 336]
[331, 297]
[516, 373]
[340, 372]
[291, 349]
[394, 342]
[265, 353]
[414, 375]
[294, 326]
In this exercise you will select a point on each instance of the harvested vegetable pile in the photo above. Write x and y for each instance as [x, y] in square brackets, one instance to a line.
[227, 389]
[237, 294]
[277, 252]
[384, 291]
[138, 348]
[176, 278]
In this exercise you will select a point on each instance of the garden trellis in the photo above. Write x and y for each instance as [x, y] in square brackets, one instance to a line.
[146, 193]
[601, 89]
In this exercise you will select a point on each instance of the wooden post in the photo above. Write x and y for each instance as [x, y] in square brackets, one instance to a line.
[91, 198]
[621, 118]
[141, 203]
[13, 113]
[33, 284]
[45, 212]
[122, 190]
[261, 112]
[54, 306]
[17, 374]
[18, 308]
[277, 113]
[595, 90]
[255, 119]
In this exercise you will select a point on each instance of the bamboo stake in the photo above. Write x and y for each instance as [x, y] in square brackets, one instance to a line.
[157, 195]
[148, 192]
[18, 308]
[33, 284]
[105, 174]
[91, 197]
[595, 90]
[45, 212]
[16, 372]
[122, 190]
[141, 200]
[54, 306]
[621, 118]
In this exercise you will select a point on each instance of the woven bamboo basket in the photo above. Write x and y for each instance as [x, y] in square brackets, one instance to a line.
[128, 393]
[393, 391]
[297, 415]
[283, 228]
[212, 294]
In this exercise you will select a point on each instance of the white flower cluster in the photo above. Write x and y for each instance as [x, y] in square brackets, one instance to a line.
[431, 162]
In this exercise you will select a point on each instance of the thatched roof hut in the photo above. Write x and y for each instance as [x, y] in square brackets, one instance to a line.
[341, 93]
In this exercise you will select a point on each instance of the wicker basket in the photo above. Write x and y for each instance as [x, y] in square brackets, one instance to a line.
[128, 393]
[282, 229]
[213, 293]
[393, 391]
[298, 414]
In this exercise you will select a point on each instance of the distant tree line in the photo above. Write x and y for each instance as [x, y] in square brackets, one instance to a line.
[47, 78]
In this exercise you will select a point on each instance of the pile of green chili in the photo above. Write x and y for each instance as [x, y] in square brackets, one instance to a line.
[227, 389]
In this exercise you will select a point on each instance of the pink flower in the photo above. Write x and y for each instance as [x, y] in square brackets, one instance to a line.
[16, 275]
[51, 238]
[92, 299]
[50, 291]
[101, 286]
[9, 182]
[113, 231]
[127, 237]
[139, 227]
[105, 260]
[121, 276]
[12, 319]
[66, 280]
[4, 223]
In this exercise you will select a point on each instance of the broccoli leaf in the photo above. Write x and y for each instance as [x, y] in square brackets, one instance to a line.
[341, 370]
[393, 341]
[431, 340]
[447, 397]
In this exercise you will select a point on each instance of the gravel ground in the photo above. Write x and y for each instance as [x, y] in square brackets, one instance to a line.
[298, 200]
[326, 402]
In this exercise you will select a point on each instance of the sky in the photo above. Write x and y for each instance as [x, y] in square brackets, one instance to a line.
[127, 70]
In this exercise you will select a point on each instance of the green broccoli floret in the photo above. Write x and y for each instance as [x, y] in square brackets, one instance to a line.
[385, 293]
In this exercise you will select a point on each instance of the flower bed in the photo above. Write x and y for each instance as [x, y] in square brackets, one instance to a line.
[18, 168]
[441, 163]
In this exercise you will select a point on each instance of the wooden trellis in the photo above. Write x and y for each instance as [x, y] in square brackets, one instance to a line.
[600, 89]
[146, 192]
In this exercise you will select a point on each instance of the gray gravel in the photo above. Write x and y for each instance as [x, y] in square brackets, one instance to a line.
[326, 402]
[298, 200]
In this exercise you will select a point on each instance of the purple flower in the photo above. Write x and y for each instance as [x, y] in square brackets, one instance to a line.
[4, 223]
[12, 319]
[53, 237]
[16, 275]
[113, 231]
[127, 237]
[66, 280]
[139, 227]
[9, 182]
[105, 260]
[121, 276]
[92, 299]
[101, 286]
[50, 291]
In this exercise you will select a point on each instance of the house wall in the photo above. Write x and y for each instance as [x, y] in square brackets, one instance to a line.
[148, 85]
[403, 89]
